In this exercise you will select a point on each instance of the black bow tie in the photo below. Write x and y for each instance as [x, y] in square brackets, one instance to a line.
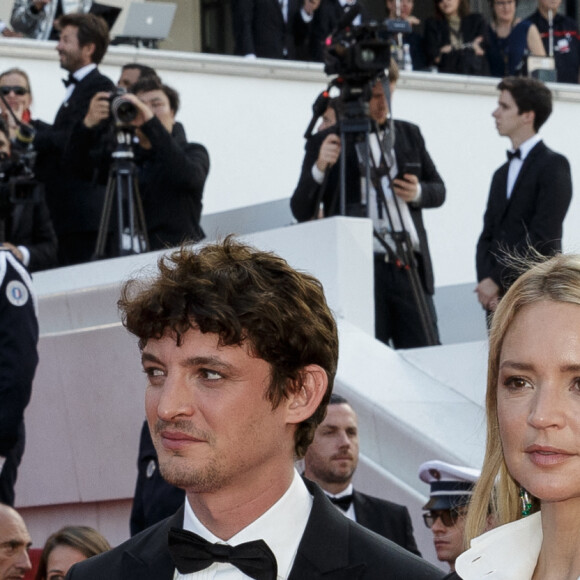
[71, 80]
[191, 553]
[517, 153]
[342, 502]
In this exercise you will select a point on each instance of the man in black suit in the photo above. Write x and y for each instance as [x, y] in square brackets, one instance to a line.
[26, 225]
[75, 205]
[417, 185]
[240, 353]
[273, 28]
[529, 195]
[331, 461]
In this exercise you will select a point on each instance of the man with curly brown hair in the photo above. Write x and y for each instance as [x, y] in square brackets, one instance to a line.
[240, 352]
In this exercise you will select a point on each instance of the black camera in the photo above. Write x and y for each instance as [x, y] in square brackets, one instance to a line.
[358, 52]
[17, 181]
[123, 111]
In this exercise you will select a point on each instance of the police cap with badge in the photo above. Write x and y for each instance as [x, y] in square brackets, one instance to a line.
[451, 485]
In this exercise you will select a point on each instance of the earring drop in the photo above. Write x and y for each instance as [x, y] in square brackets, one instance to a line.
[526, 502]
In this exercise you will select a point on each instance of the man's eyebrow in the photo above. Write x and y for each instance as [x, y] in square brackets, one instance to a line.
[193, 361]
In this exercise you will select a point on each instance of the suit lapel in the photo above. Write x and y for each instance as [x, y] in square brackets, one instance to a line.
[152, 559]
[324, 549]
[519, 189]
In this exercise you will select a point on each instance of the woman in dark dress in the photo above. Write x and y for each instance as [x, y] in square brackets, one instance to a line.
[454, 39]
[510, 40]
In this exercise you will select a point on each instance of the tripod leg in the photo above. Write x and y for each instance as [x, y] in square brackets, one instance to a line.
[105, 219]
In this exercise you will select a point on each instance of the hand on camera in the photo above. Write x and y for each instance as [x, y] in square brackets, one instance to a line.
[329, 152]
[99, 109]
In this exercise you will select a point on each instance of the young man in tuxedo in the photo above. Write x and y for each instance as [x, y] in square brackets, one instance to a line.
[240, 353]
[417, 185]
[75, 204]
[331, 461]
[529, 194]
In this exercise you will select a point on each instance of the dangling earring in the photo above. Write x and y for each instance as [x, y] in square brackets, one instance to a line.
[526, 502]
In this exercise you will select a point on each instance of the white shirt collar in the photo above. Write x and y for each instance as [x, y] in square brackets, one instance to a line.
[347, 491]
[528, 145]
[81, 73]
[509, 552]
[281, 527]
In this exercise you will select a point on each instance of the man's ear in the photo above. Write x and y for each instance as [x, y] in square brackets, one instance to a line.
[89, 49]
[529, 117]
[303, 402]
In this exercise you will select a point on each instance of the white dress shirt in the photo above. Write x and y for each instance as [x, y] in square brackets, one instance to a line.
[281, 527]
[516, 164]
[79, 75]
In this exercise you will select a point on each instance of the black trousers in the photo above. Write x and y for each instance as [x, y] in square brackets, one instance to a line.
[10, 469]
[397, 320]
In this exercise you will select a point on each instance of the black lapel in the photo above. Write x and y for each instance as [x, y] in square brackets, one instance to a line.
[324, 548]
[517, 190]
[151, 558]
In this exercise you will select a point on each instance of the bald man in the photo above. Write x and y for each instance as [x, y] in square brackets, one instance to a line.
[14, 545]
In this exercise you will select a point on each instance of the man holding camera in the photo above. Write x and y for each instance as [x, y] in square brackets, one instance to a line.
[416, 185]
[75, 205]
[26, 226]
[165, 161]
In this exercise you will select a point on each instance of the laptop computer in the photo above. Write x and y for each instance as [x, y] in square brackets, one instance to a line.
[149, 20]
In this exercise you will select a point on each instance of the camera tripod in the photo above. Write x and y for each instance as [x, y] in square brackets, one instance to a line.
[123, 191]
[356, 126]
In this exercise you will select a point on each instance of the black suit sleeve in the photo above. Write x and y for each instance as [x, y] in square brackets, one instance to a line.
[182, 167]
[432, 186]
[304, 199]
[42, 243]
[436, 35]
[242, 17]
[52, 139]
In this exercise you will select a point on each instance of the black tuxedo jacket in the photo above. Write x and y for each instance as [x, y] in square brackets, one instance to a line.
[332, 547]
[75, 205]
[533, 215]
[409, 148]
[260, 29]
[30, 225]
[386, 518]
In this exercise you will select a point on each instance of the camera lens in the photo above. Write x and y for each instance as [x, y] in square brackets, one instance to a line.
[124, 111]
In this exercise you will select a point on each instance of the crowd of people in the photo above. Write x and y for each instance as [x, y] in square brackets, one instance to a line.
[453, 40]
[78, 167]
[211, 342]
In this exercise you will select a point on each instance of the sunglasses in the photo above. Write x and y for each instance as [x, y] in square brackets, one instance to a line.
[20, 91]
[448, 517]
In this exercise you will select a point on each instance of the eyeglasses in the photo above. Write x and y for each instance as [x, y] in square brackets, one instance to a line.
[6, 90]
[448, 517]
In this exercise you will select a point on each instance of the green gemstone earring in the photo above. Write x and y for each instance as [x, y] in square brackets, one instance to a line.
[526, 502]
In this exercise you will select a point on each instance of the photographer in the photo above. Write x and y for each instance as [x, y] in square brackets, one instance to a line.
[171, 172]
[397, 320]
[28, 230]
